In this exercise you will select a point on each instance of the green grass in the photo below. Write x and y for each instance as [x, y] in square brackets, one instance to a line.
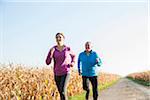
[142, 82]
[106, 85]
[78, 97]
[100, 87]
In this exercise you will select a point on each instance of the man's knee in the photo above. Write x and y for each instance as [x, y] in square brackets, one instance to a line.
[85, 88]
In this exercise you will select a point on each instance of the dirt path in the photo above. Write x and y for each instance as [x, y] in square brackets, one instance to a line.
[125, 89]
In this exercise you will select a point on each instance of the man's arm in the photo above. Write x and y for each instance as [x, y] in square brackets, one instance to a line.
[98, 60]
[79, 70]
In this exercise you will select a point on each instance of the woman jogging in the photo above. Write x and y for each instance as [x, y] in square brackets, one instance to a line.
[63, 60]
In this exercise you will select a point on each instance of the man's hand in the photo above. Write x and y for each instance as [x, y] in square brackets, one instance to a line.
[80, 73]
[98, 61]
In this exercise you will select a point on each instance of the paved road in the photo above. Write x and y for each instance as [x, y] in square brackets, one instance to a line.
[125, 89]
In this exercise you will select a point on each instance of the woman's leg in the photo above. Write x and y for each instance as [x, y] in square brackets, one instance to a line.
[94, 87]
[57, 81]
[62, 85]
[85, 83]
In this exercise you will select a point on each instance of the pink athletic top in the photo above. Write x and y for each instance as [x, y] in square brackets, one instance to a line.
[62, 59]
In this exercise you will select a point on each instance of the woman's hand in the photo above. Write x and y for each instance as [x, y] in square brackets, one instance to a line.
[72, 64]
[52, 52]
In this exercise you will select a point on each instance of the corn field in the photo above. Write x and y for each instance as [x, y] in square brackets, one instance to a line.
[20, 83]
[142, 76]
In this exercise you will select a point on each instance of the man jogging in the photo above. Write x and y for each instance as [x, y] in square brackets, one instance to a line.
[88, 61]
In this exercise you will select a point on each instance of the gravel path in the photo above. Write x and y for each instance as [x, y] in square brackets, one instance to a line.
[125, 89]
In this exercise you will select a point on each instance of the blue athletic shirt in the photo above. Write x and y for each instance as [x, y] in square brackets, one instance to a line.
[87, 64]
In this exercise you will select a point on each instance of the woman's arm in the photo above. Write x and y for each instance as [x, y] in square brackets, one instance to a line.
[72, 58]
[50, 56]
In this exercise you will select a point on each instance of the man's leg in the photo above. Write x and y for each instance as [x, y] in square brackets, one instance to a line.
[85, 82]
[94, 87]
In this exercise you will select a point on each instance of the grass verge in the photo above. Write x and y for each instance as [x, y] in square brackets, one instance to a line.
[140, 81]
[100, 87]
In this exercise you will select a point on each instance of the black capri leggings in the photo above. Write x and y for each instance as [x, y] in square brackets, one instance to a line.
[61, 83]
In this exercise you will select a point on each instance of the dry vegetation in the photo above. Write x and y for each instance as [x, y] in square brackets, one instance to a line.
[20, 83]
